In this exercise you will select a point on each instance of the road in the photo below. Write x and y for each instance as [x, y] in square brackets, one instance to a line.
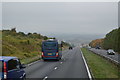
[104, 53]
[71, 66]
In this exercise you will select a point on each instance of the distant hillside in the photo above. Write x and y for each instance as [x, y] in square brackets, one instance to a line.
[97, 42]
[77, 39]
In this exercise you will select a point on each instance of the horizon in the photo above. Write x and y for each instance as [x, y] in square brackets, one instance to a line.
[76, 39]
[62, 17]
[87, 20]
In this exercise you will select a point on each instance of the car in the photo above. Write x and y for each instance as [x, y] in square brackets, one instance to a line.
[11, 68]
[110, 52]
[70, 48]
[89, 47]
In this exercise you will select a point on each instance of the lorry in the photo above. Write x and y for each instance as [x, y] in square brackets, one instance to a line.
[51, 49]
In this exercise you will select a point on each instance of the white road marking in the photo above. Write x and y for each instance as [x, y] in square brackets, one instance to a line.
[55, 68]
[61, 62]
[89, 74]
[45, 78]
[21, 76]
[33, 63]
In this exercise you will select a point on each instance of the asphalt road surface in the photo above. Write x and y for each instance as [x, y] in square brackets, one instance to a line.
[71, 66]
[104, 53]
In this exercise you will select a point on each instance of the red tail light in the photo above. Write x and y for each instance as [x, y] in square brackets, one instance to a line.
[5, 70]
[42, 54]
[57, 54]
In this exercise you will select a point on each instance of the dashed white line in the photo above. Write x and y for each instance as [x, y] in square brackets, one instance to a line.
[61, 62]
[45, 78]
[55, 68]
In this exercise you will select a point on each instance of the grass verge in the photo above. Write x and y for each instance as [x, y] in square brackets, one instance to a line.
[29, 60]
[100, 67]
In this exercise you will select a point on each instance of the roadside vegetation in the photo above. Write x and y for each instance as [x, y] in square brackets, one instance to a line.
[111, 41]
[27, 47]
[97, 42]
[65, 45]
[100, 67]
[0, 43]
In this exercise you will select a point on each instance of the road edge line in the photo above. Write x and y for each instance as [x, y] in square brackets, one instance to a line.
[33, 63]
[45, 78]
[86, 65]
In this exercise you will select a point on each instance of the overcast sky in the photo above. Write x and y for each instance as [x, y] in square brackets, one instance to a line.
[61, 17]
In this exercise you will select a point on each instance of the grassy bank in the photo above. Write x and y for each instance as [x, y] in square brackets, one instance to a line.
[100, 67]
[24, 46]
[30, 59]
[27, 47]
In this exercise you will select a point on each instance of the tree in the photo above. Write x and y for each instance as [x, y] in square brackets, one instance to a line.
[45, 37]
[13, 30]
[112, 40]
[97, 42]
[21, 34]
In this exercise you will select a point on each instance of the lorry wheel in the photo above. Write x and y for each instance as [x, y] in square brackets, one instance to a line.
[58, 59]
[44, 60]
[24, 78]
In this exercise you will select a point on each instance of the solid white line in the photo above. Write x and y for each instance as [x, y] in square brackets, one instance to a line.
[45, 78]
[32, 63]
[90, 77]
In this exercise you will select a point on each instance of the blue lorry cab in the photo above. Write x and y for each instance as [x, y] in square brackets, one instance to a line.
[51, 49]
[11, 68]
